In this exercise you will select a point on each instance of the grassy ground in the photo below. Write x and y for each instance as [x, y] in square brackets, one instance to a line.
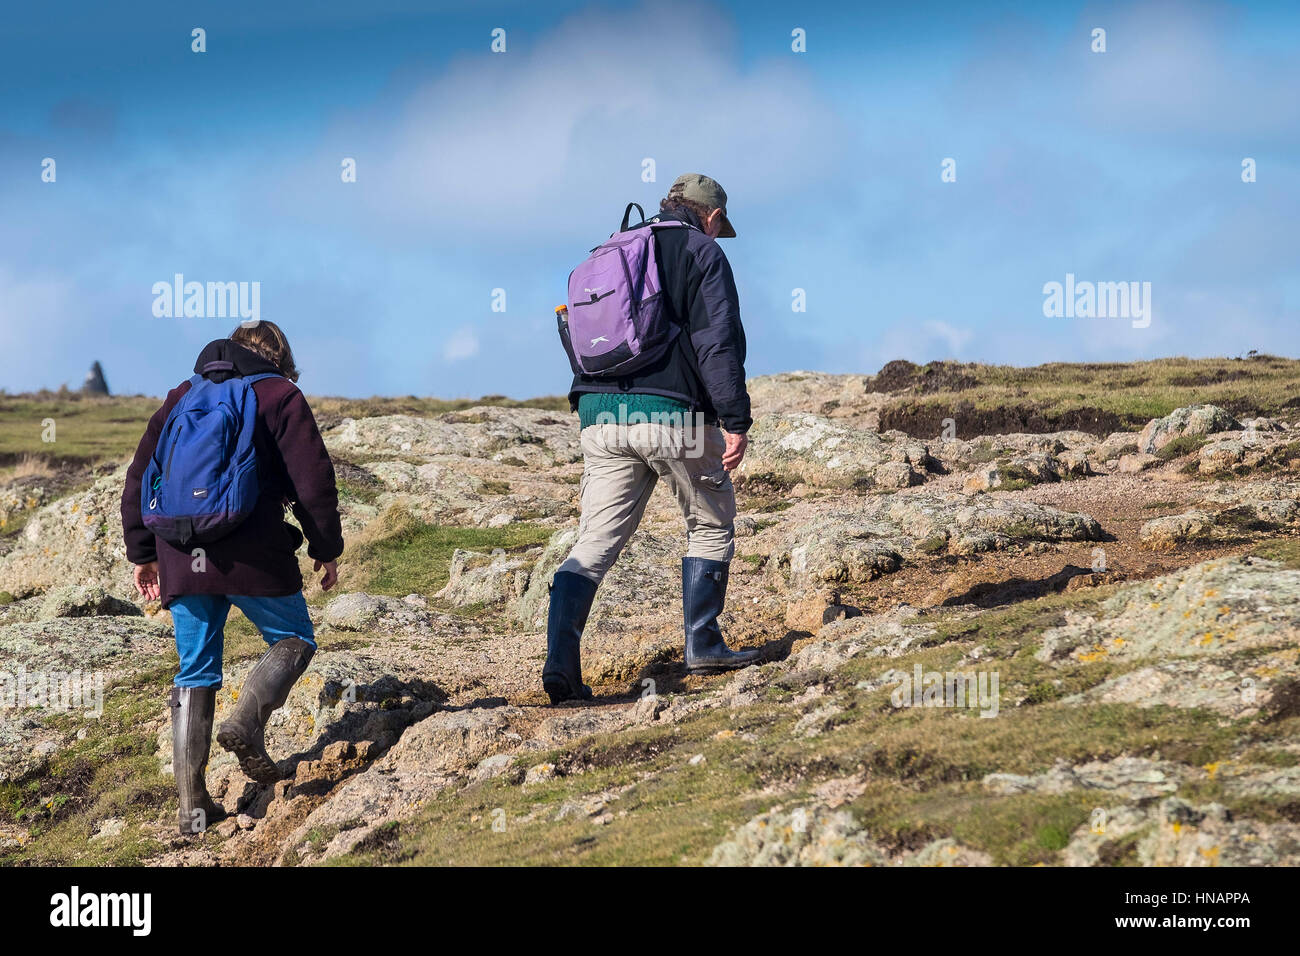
[86, 430]
[112, 771]
[328, 409]
[922, 768]
[92, 430]
[404, 555]
[1099, 397]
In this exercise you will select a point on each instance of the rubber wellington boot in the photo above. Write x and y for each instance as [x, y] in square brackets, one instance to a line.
[571, 597]
[704, 591]
[265, 690]
[192, 709]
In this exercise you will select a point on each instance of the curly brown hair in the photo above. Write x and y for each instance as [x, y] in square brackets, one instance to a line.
[269, 341]
[671, 203]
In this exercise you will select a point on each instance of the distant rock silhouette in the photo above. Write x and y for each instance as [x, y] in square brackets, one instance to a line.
[95, 383]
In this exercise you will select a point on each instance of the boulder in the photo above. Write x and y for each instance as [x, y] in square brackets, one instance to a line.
[1191, 420]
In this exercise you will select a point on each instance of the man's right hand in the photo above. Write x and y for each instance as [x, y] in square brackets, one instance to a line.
[735, 450]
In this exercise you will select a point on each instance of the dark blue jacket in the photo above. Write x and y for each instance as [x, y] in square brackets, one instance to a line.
[706, 366]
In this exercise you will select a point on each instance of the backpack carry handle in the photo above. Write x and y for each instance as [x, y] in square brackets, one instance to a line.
[216, 368]
[627, 212]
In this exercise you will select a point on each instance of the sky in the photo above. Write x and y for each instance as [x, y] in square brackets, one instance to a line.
[484, 176]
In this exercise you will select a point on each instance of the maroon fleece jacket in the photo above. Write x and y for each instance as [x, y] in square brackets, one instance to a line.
[257, 558]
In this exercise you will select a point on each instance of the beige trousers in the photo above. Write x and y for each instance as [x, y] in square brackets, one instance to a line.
[622, 464]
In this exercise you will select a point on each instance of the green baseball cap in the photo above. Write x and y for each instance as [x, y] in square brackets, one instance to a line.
[706, 192]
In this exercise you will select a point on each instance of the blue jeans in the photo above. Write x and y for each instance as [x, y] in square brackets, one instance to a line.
[200, 621]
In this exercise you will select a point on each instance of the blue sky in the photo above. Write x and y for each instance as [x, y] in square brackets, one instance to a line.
[479, 171]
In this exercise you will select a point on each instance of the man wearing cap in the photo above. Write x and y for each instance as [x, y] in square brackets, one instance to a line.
[629, 443]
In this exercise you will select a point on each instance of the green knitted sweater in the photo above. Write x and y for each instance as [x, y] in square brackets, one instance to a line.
[620, 406]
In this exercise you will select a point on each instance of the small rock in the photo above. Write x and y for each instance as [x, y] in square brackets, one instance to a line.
[539, 773]
[490, 767]
[111, 827]
[1132, 464]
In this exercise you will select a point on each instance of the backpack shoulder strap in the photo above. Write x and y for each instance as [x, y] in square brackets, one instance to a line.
[250, 379]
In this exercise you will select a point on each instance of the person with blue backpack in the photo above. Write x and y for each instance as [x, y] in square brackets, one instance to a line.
[203, 513]
[653, 335]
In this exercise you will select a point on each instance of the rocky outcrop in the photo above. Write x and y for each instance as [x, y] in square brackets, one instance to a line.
[60, 667]
[478, 578]
[1233, 523]
[74, 539]
[1179, 833]
[417, 703]
[1189, 421]
[95, 383]
[818, 836]
[825, 453]
[528, 436]
[800, 837]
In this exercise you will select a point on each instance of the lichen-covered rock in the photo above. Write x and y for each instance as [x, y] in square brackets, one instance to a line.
[1191, 420]
[818, 451]
[1254, 450]
[1166, 533]
[478, 578]
[822, 393]
[896, 474]
[1202, 527]
[800, 837]
[65, 666]
[829, 546]
[1067, 451]
[1035, 468]
[530, 436]
[947, 852]
[431, 478]
[74, 539]
[1133, 778]
[435, 753]
[1137, 462]
[359, 611]
[582, 722]
[840, 547]
[1218, 607]
[77, 600]
[20, 496]
[1178, 833]
[923, 516]
[1234, 690]
[876, 635]
[817, 721]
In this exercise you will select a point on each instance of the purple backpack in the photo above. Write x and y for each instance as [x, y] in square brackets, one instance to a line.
[616, 320]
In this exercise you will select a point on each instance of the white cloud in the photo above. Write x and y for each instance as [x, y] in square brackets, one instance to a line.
[531, 141]
[462, 345]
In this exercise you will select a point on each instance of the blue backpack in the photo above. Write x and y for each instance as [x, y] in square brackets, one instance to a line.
[202, 480]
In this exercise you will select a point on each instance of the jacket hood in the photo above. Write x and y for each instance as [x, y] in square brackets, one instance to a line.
[222, 359]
